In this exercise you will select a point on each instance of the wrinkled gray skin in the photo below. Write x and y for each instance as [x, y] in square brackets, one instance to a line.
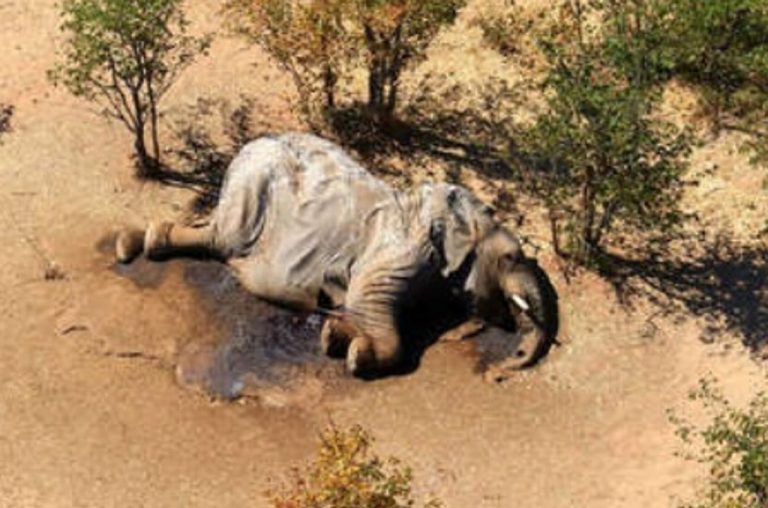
[303, 225]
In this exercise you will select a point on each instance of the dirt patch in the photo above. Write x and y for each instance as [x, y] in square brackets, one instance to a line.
[249, 348]
[90, 408]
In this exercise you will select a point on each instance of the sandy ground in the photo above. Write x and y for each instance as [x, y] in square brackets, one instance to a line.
[92, 412]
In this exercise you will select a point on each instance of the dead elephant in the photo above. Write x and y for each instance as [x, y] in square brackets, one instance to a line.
[303, 225]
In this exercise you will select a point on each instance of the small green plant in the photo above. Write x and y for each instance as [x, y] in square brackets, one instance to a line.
[125, 55]
[598, 157]
[733, 445]
[323, 42]
[346, 474]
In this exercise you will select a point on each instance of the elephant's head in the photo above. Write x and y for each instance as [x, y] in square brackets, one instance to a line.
[512, 292]
[507, 289]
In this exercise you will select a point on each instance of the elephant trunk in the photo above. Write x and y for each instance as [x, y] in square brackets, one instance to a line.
[533, 303]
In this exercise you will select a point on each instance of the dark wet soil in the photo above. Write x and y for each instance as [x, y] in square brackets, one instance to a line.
[259, 346]
[262, 347]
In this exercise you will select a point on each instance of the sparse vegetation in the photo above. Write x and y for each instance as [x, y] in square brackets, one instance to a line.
[307, 39]
[500, 32]
[323, 42]
[733, 446]
[722, 48]
[126, 56]
[598, 157]
[509, 30]
[347, 474]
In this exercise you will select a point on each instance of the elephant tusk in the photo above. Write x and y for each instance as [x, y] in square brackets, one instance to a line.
[520, 302]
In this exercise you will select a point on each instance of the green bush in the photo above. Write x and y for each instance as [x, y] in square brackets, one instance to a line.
[320, 42]
[125, 55]
[346, 474]
[597, 156]
[722, 47]
[718, 46]
[734, 447]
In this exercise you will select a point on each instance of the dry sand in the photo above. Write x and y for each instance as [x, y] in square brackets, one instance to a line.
[91, 413]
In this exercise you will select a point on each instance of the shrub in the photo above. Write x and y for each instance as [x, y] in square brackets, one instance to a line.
[346, 474]
[722, 47]
[734, 446]
[320, 42]
[310, 40]
[125, 55]
[598, 157]
[718, 46]
[396, 33]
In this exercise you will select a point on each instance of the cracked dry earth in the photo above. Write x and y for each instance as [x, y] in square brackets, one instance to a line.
[101, 367]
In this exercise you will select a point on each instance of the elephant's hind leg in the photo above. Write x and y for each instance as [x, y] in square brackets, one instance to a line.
[163, 240]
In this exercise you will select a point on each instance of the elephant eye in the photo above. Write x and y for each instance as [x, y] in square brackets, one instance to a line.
[511, 257]
[452, 197]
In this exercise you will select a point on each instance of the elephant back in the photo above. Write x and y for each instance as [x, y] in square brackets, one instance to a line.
[295, 213]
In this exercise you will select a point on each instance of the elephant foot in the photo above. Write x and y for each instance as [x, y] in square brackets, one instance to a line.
[361, 358]
[333, 343]
[129, 244]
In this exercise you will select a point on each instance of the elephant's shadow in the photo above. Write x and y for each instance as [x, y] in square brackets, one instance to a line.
[421, 326]
[442, 308]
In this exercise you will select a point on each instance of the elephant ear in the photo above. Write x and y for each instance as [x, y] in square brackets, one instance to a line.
[459, 222]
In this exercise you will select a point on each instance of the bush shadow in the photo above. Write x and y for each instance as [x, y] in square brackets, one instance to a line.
[727, 284]
[201, 160]
[473, 137]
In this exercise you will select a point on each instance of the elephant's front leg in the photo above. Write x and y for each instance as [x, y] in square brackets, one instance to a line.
[364, 353]
[335, 337]
[372, 356]
[372, 306]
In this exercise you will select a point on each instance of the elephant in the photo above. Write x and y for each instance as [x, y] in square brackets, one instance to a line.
[302, 225]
